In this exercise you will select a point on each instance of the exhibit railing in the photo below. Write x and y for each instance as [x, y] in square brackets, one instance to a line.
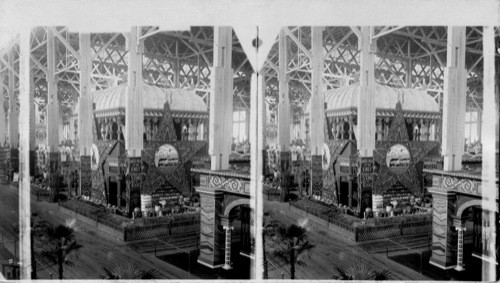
[357, 230]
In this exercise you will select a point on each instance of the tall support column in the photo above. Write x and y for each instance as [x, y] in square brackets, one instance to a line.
[317, 110]
[3, 125]
[455, 83]
[365, 135]
[85, 117]
[13, 112]
[32, 138]
[52, 105]
[490, 132]
[443, 235]
[24, 147]
[13, 120]
[284, 101]
[366, 105]
[134, 119]
[221, 100]
[283, 115]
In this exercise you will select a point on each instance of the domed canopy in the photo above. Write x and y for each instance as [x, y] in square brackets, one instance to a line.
[415, 103]
[183, 103]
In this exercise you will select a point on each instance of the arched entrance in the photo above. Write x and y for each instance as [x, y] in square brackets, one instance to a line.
[224, 203]
[463, 229]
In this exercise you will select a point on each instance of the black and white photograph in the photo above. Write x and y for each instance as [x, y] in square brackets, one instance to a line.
[239, 140]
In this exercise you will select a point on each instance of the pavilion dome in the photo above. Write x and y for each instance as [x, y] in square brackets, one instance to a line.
[344, 101]
[183, 103]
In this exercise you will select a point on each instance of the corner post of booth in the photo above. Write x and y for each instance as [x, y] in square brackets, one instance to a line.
[317, 110]
[85, 117]
[134, 119]
[366, 119]
[221, 99]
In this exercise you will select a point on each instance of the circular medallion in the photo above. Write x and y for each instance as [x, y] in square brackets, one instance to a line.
[166, 156]
[398, 158]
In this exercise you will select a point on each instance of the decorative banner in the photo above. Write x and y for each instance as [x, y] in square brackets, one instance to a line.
[167, 192]
[398, 192]
[317, 173]
[53, 162]
[271, 133]
[365, 182]
[85, 175]
[95, 157]
[134, 182]
[285, 161]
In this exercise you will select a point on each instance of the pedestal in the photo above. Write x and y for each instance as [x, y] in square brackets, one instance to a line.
[443, 238]
[211, 233]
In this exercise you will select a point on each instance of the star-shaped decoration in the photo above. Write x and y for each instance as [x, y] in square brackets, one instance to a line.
[417, 151]
[172, 176]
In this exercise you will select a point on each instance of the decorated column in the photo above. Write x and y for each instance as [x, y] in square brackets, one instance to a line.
[366, 129]
[460, 227]
[227, 224]
[317, 110]
[85, 116]
[221, 100]
[52, 106]
[443, 235]
[134, 119]
[24, 156]
[454, 100]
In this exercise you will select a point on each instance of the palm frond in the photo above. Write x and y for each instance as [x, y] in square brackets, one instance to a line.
[152, 273]
[382, 275]
[108, 274]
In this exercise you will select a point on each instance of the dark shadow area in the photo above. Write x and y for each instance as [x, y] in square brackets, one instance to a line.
[241, 266]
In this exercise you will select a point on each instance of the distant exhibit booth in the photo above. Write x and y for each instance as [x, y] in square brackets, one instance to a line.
[407, 132]
[175, 135]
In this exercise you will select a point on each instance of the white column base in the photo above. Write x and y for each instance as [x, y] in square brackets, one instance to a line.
[227, 267]
[459, 268]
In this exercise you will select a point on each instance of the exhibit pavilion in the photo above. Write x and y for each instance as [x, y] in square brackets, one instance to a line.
[176, 136]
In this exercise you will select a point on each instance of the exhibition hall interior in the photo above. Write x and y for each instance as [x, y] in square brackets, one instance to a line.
[348, 153]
